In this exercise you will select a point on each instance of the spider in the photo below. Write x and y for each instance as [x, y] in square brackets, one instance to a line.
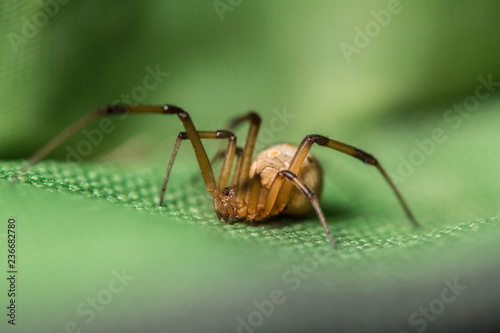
[283, 179]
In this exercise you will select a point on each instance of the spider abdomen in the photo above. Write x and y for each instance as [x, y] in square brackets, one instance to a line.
[278, 157]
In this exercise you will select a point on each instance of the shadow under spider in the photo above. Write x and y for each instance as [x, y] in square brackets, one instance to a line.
[333, 213]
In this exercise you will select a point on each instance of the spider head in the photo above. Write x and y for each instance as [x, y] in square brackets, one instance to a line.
[224, 203]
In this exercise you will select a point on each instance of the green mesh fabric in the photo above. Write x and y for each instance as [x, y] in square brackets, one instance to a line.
[96, 254]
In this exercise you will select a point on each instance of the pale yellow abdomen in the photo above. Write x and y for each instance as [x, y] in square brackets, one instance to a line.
[278, 157]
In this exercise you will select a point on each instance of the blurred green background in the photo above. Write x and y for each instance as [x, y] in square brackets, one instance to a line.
[385, 76]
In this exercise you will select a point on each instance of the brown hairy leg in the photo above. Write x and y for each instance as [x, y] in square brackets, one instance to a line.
[309, 194]
[221, 154]
[227, 155]
[192, 133]
[279, 191]
[246, 160]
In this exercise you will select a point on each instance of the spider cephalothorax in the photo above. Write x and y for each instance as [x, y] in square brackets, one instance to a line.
[224, 204]
[283, 178]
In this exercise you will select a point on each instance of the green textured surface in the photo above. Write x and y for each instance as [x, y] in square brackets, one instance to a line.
[78, 223]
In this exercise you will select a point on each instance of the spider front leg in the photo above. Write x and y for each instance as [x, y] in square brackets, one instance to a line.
[228, 156]
[279, 191]
[192, 133]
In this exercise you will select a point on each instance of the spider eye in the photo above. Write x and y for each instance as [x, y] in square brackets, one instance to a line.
[226, 191]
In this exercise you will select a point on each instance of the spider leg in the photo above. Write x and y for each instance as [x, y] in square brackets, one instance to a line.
[219, 155]
[201, 155]
[253, 197]
[239, 156]
[246, 161]
[228, 160]
[61, 137]
[309, 194]
[279, 191]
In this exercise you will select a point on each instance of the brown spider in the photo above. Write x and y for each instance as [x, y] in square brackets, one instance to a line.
[257, 190]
